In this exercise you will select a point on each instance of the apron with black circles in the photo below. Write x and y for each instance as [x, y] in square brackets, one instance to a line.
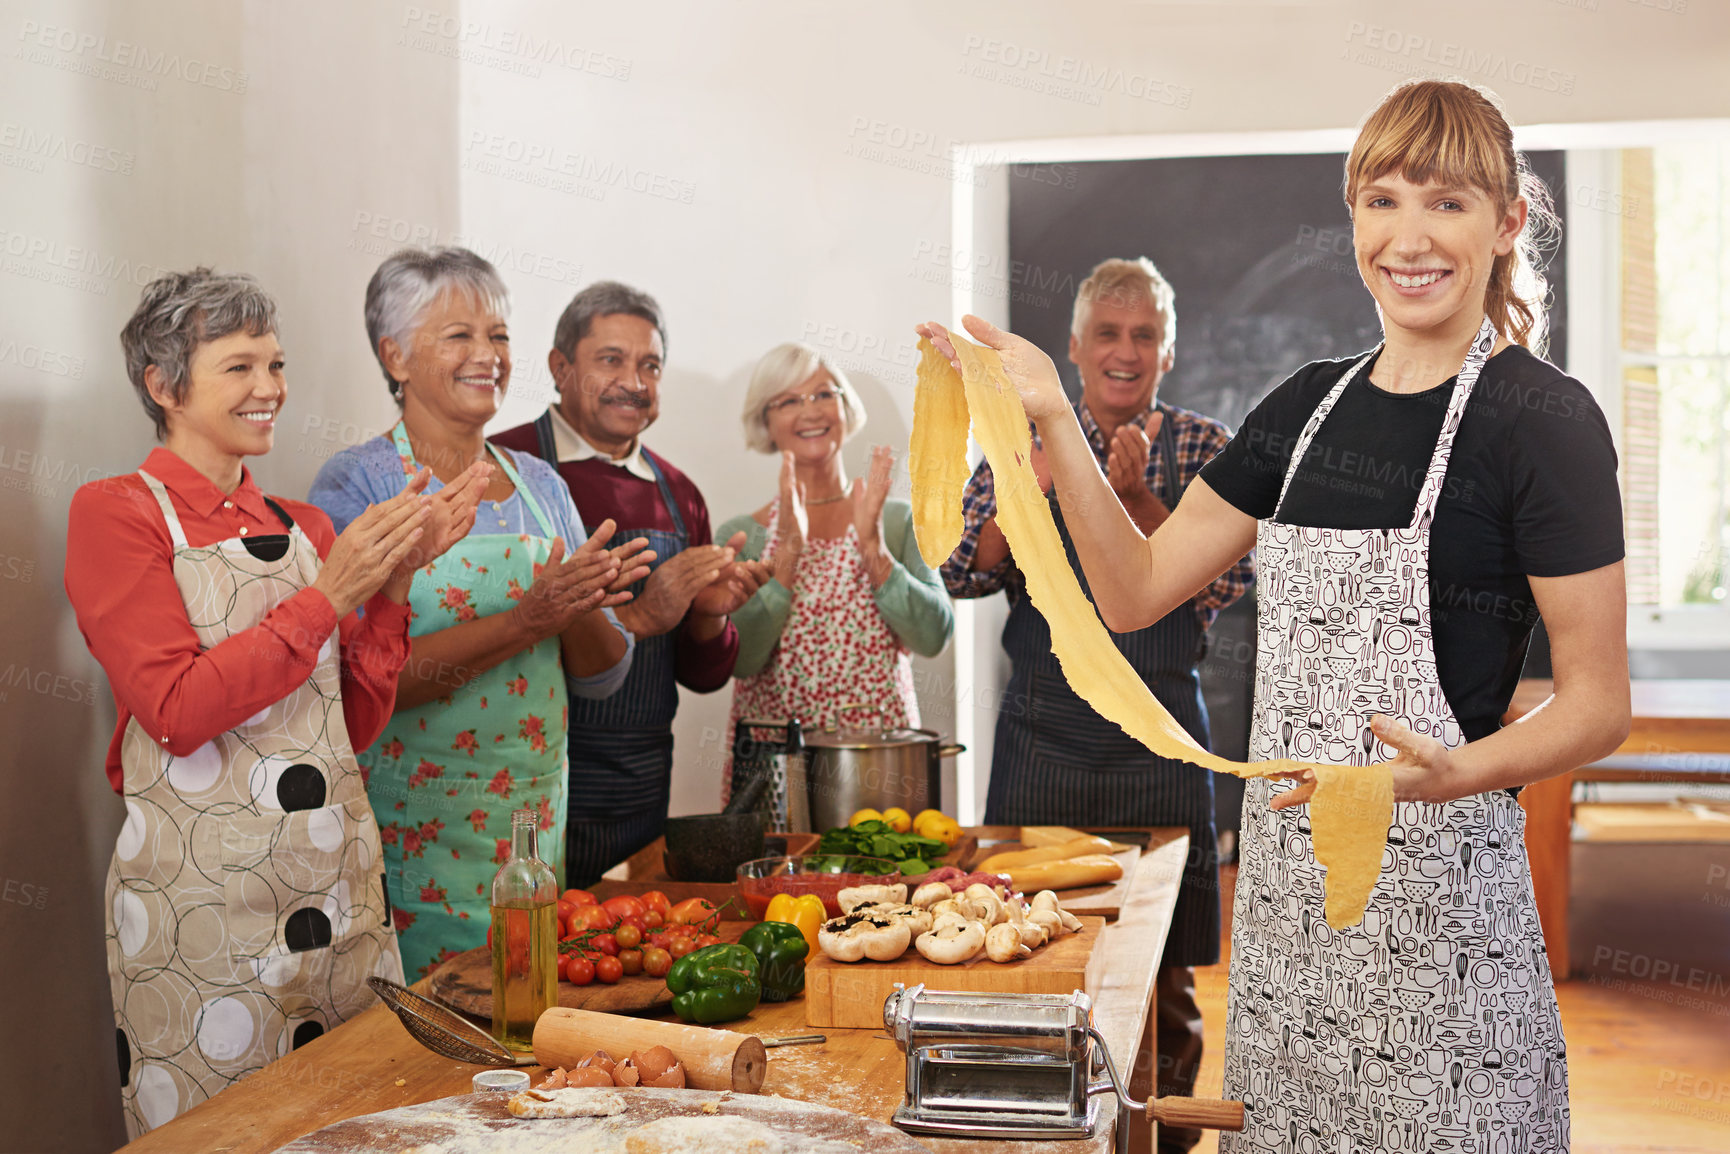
[1431, 1025]
[245, 903]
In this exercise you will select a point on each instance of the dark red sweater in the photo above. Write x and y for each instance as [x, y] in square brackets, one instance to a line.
[602, 489]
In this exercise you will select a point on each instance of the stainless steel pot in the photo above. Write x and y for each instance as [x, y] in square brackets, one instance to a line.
[850, 770]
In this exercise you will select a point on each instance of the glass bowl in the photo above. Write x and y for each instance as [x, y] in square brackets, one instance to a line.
[825, 875]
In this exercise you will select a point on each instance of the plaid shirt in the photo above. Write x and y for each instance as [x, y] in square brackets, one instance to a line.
[1198, 439]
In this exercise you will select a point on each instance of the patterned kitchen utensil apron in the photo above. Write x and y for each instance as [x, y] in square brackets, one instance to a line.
[621, 746]
[837, 651]
[1055, 761]
[245, 906]
[1432, 1025]
[446, 775]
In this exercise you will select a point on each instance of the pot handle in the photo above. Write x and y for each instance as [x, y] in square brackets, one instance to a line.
[950, 750]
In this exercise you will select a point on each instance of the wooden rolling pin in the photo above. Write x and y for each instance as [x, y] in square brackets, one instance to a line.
[714, 1059]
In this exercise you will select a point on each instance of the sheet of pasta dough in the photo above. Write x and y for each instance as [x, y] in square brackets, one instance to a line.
[1352, 805]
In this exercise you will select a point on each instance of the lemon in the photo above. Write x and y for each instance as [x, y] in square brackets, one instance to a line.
[925, 818]
[864, 815]
[899, 820]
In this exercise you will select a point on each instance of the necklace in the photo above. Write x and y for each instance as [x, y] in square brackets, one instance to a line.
[827, 500]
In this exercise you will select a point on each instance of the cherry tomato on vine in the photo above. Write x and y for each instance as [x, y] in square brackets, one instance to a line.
[656, 962]
[609, 970]
[579, 971]
[629, 936]
[631, 960]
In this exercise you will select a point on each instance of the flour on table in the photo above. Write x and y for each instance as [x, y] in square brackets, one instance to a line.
[578, 1102]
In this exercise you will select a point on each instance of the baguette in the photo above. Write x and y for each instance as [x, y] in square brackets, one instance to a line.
[1077, 847]
[1092, 870]
[1034, 836]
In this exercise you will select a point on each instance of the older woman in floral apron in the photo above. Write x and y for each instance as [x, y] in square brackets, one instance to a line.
[1414, 512]
[244, 903]
[504, 625]
[850, 599]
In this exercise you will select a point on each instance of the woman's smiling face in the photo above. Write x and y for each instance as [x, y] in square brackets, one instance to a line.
[810, 429]
[1425, 251]
[235, 387]
[458, 362]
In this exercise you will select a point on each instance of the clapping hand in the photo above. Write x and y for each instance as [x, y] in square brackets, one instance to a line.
[868, 495]
[735, 585]
[375, 545]
[1126, 460]
[451, 514]
[791, 524]
[594, 577]
[670, 590]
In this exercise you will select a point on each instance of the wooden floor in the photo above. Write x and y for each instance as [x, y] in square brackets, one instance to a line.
[1645, 1074]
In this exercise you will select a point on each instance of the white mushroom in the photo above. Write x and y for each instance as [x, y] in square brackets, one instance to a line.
[930, 894]
[1033, 935]
[1049, 922]
[853, 896]
[987, 906]
[1047, 900]
[951, 906]
[918, 920]
[951, 943]
[1003, 944]
[852, 937]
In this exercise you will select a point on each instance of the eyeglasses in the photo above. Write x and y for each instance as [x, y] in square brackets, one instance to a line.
[824, 397]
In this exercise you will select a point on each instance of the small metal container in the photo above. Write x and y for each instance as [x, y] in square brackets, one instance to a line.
[509, 1080]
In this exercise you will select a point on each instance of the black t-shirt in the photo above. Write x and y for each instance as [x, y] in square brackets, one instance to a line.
[1530, 491]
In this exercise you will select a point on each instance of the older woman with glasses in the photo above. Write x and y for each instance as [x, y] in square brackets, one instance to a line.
[850, 599]
[507, 624]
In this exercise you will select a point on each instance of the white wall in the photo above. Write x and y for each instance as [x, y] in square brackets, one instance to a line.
[353, 118]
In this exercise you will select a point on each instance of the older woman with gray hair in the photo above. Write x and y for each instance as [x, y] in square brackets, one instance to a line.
[243, 905]
[851, 599]
[506, 624]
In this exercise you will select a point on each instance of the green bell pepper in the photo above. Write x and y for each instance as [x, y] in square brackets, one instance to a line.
[780, 949]
[715, 984]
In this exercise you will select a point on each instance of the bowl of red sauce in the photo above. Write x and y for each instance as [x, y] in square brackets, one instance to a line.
[825, 875]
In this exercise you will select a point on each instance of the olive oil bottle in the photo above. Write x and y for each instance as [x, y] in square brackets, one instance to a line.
[524, 937]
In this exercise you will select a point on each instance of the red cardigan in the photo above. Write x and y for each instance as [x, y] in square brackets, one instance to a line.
[120, 579]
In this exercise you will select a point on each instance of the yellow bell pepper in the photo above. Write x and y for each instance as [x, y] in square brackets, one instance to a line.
[804, 912]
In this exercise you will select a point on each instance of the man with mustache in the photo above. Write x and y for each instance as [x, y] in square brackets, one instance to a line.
[608, 350]
[1055, 761]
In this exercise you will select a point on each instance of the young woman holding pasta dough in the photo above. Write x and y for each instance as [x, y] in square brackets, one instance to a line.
[1414, 512]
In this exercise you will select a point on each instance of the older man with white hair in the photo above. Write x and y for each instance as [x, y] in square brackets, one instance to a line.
[609, 348]
[1055, 760]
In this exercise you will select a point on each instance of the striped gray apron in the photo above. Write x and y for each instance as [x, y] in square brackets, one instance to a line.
[621, 746]
[1056, 761]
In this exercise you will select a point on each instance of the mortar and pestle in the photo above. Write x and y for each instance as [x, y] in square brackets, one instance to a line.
[708, 847]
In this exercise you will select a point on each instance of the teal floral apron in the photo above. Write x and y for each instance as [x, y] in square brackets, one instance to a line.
[446, 775]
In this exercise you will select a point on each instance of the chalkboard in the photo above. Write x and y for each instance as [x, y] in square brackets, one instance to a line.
[1259, 252]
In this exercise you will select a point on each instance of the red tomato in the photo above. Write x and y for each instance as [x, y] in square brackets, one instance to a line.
[566, 909]
[657, 902]
[579, 971]
[707, 940]
[606, 943]
[629, 936]
[631, 960]
[654, 920]
[625, 906]
[578, 897]
[656, 962]
[680, 946]
[594, 918]
[691, 911]
[609, 970]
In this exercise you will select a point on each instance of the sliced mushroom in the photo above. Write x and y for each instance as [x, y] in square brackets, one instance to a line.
[855, 936]
[1003, 944]
[950, 943]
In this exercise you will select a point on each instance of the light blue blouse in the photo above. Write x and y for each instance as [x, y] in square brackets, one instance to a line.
[371, 472]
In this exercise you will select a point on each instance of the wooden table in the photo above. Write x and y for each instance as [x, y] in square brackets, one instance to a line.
[370, 1063]
[1670, 717]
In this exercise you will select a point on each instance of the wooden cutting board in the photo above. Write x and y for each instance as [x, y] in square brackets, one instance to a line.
[465, 983]
[481, 1124]
[850, 995]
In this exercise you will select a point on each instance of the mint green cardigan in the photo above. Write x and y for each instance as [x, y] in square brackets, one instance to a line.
[913, 600]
